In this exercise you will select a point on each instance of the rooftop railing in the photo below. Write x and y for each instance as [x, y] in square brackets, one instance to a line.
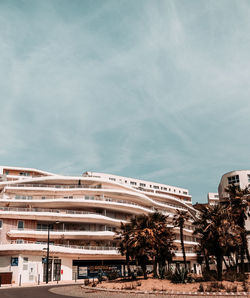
[53, 185]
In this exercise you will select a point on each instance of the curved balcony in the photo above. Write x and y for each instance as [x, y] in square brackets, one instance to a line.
[59, 215]
[75, 235]
[96, 202]
[16, 246]
[102, 201]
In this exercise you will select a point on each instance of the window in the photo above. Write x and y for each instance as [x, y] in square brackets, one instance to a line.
[185, 192]
[19, 241]
[132, 183]
[156, 187]
[20, 225]
[24, 174]
[1, 224]
[14, 261]
[43, 227]
[112, 179]
[142, 184]
[23, 197]
[248, 177]
[6, 172]
[233, 179]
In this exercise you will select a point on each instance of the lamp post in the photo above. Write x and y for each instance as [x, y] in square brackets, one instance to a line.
[47, 260]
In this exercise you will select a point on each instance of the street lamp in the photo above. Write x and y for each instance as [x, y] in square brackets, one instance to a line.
[47, 259]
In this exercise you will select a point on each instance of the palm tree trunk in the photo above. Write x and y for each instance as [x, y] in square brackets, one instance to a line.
[144, 270]
[155, 275]
[242, 254]
[219, 266]
[183, 247]
[128, 265]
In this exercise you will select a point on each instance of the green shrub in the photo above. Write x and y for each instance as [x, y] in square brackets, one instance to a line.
[245, 286]
[232, 276]
[112, 275]
[139, 272]
[201, 288]
[179, 276]
[210, 275]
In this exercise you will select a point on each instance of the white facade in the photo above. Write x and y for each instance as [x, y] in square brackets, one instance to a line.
[239, 178]
[83, 213]
[213, 198]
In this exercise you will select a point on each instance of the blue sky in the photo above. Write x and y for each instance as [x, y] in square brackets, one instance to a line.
[157, 90]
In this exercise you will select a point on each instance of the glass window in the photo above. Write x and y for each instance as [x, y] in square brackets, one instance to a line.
[248, 177]
[1, 224]
[14, 261]
[20, 225]
[233, 179]
[112, 179]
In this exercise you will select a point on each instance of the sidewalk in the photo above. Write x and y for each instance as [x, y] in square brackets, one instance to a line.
[51, 283]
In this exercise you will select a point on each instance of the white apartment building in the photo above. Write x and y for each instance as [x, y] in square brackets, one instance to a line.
[80, 214]
[213, 198]
[239, 178]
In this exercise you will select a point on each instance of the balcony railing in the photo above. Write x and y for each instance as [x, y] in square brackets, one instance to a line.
[52, 230]
[62, 211]
[63, 245]
[105, 199]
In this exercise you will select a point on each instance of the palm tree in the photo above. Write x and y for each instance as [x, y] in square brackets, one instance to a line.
[179, 220]
[216, 233]
[237, 205]
[147, 237]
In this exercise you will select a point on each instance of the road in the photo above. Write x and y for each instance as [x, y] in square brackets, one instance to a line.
[76, 291]
[29, 292]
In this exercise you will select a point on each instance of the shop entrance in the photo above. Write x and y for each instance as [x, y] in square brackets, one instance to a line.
[54, 267]
[57, 270]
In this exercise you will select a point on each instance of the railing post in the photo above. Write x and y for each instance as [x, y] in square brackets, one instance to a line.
[20, 280]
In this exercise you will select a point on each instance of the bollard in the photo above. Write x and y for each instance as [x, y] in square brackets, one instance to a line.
[20, 280]
[38, 279]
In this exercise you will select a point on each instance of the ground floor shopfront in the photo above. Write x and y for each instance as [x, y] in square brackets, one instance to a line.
[32, 268]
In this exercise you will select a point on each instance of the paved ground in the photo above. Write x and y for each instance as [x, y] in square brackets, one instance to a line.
[66, 291]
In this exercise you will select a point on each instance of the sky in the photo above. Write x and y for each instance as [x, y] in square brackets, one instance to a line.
[157, 90]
